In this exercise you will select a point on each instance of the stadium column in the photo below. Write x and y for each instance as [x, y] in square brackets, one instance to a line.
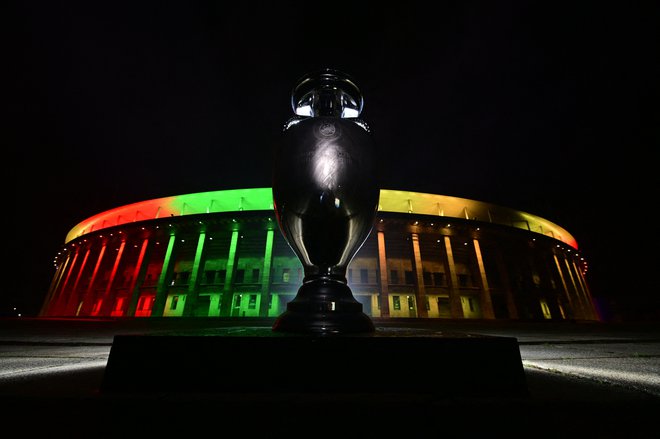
[165, 274]
[49, 292]
[583, 306]
[138, 277]
[227, 296]
[109, 295]
[455, 306]
[506, 283]
[193, 285]
[565, 287]
[60, 301]
[46, 308]
[265, 275]
[421, 289]
[73, 302]
[382, 268]
[585, 291]
[88, 299]
[485, 299]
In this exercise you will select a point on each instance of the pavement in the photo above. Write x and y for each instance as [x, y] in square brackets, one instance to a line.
[584, 379]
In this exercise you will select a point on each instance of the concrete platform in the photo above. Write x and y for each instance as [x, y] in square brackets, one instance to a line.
[583, 380]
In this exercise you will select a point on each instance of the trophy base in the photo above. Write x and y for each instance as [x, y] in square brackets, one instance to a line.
[324, 306]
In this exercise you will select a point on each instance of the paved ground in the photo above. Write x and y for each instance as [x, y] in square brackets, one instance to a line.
[601, 380]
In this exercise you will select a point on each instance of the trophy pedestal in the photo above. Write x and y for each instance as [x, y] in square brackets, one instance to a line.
[324, 306]
[255, 360]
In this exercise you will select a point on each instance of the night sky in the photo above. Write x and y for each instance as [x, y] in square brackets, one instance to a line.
[545, 107]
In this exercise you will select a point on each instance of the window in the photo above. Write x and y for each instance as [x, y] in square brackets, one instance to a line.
[428, 280]
[463, 280]
[545, 309]
[252, 303]
[174, 303]
[222, 275]
[396, 301]
[286, 273]
[364, 276]
[470, 304]
[410, 278]
[237, 301]
[240, 276]
[394, 277]
[438, 278]
[427, 305]
[443, 304]
[146, 303]
[184, 277]
[209, 276]
[255, 275]
[411, 302]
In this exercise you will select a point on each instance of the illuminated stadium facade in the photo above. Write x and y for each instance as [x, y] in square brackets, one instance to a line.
[221, 254]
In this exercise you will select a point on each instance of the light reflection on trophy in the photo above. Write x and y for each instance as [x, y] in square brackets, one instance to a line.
[325, 193]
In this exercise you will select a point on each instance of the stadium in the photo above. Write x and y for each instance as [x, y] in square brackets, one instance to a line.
[221, 254]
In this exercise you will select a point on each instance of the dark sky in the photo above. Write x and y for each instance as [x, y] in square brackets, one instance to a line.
[546, 107]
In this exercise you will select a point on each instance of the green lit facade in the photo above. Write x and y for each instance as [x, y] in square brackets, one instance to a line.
[221, 254]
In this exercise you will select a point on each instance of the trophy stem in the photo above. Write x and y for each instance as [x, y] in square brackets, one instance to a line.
[324, 305]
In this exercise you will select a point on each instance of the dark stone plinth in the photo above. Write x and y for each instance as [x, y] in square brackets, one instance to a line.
[258, 360]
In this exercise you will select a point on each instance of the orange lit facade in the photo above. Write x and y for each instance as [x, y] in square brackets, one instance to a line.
[221, 254]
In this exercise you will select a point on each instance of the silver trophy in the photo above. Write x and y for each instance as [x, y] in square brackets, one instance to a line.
[325, 193]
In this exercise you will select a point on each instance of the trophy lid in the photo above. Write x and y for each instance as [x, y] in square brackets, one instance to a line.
[327, 92]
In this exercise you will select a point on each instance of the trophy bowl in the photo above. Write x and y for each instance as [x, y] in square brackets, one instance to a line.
[325, 196]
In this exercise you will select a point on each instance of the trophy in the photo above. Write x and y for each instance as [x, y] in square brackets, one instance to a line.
[325, 195]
